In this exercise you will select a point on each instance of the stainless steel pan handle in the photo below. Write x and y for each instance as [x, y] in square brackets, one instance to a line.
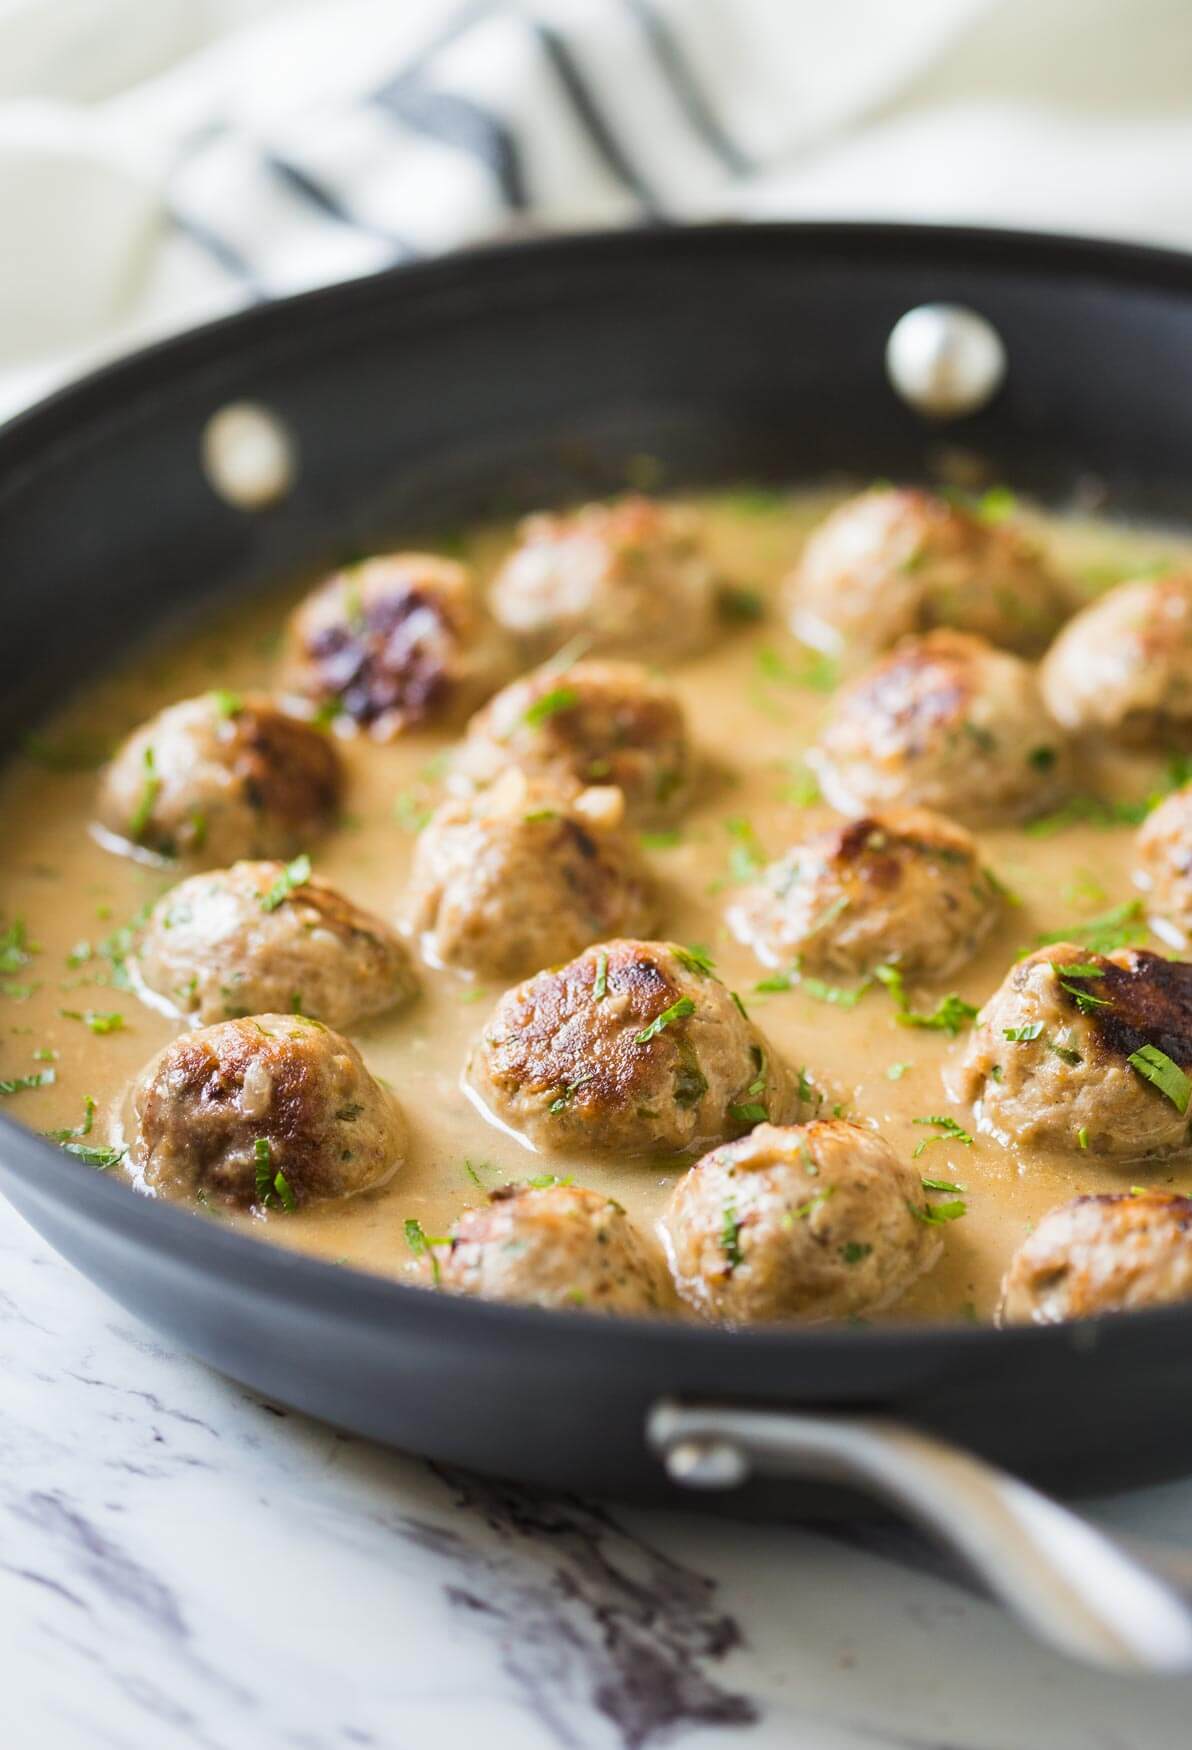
[1071, 1585]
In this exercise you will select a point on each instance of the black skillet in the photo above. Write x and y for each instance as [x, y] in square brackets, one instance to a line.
[509, 378]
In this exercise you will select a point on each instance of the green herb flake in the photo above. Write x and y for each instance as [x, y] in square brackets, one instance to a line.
[600, 983]
[855, 1251]
[747, 858]
[262, 1154]
[548, 705]
[1026, 1034]
[44, 1078]
[293, 876]
[678, 1011]
[96, 1020]
[696, 959]
[100, 1158]
[738, 605]
[150, 791]
[951, 1014]
[730, 1237]
[936, 1214]
[1082, 1138]
[1156, 1067]
[950, 1131]
[896, 1071]
[228, 704]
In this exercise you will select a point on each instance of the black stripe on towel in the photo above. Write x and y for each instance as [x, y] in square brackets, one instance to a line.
[468, 126]
[676, 69]
[223, 253]
[588, 113]
[315, 194]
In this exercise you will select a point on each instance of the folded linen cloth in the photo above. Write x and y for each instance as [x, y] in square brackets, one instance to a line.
[166, 160]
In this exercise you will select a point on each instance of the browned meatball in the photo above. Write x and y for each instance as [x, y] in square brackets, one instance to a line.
[554, 1246]
[1101, 1254]
[905, 885]
[221, 777]
[633, 1048]
[392, 642]
[1085, 1051]
[273, 1112]
[944, 722]
[593, 723]
[811, 1221]
[264, 937]
[1164, 869]
[627, 577]
[523, 876]
[893, 561]
[1123, 666]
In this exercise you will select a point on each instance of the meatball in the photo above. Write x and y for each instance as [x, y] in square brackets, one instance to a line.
[221, 777]
[1123, 666]
[1165, 865]
[593, 723]
[811, 1221]
[905, 886]
[892, 562]
[633, 1048]
[392, 642]
[271, 1112]
[626, 577]
[523, 876]
[1101, 1254]
[553, 1245]
[947, 722]
[264, 937]
[1084, 1051]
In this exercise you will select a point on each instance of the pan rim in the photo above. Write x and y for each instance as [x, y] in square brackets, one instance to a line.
[33, 438]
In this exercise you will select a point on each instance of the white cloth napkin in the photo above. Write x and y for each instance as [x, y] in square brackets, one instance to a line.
[166, 160]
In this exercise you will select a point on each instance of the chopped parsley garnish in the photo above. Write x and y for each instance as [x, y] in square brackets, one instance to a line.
[1082, 1137]
[896, 1071]
[748, 1114]
[150, 791]
[544, 1181]
[815, 673]
[83, 1128]
[935, 1214]
[1112, 929]
[294, 875]
[95, 1019]
[939, 1184]
[1085, 1001]
[1156, 1067]
[695, 958]
[226, 703]
[836, 994]
[1081, 969]
[422, 1244]
[600, 983]
[747, 857]
[854, 1251]
[410, 813]
[664, 839]
[802, 787]
[730, 1237]
[949, 1130]
[282, 1186]
[562, 1100]
[996, 504]
[43, 1078]
[263, 1160]
[549, 705]
[1024, 1035]
[950, 1015]
[100, 1158]
[678, 1011]
[16, 950]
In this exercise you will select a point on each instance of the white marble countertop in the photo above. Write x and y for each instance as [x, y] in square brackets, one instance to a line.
[183, 1565]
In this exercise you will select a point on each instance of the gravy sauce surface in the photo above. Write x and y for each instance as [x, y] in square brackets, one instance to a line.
[754, 704]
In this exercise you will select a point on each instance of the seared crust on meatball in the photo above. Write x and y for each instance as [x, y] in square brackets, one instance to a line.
[221, 777]
[1164, 869]
[945, 722]
[592, 723]
[892, 562]
[272, 1112]
[1101, 1254]
[905, 886]
[811, 1221]
[1049, 1059]
[393, 642]
[249, 941]
[1123, 666]
[524, 875]
[553, 1246]
[632, 1048]
[627, 576]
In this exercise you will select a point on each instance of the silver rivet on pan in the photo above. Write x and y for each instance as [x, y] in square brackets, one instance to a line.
[707, 1464]
[945, 360]
[247, 455]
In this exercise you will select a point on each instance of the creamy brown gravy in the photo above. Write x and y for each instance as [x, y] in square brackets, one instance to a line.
[752, 729]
